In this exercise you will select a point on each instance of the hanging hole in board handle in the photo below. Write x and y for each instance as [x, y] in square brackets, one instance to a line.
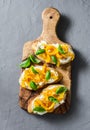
[50, 17]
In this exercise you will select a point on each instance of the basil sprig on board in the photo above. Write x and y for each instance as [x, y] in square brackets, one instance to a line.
[60, 49]
[39, 109]
[33, 85]
[40, 51]
[54, 59]
[61, 90]
[48, 75]
[52, 99]
[34, 59]
[26, 63]
[34, 70]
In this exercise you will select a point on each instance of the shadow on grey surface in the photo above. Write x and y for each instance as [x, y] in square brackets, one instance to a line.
[63, 26]
[78, 65]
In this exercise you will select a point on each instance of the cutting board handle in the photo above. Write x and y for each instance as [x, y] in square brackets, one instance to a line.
[50, 17]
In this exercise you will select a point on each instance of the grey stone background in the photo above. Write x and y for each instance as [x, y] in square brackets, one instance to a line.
[20, 21]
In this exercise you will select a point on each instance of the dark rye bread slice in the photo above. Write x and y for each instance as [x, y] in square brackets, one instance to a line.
[50, 18]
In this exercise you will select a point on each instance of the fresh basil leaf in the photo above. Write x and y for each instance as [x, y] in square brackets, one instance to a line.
[33, 70]
[39, 109]
[25, 64]
[54, 59]
[33, 85]
[34, 59]
[40, 51]
[61, 90]
[60, 49]
[52, 99]
[48, 75]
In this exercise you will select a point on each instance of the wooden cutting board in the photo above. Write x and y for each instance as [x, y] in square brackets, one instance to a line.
[50, 17]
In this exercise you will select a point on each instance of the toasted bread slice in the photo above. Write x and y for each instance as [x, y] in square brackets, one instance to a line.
[49, 99]
[39, 76]
[53, 52]
[27, 96]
